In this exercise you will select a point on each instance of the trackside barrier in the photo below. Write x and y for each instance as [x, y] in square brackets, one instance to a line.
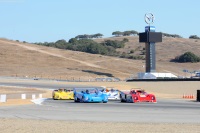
[2, 98]
[40, 95]
[158, 80]
[103, 86]
[23, 96]
[188, 96]
[33, 96]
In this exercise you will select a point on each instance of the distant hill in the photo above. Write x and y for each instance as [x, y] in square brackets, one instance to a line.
[165, 51]
[31, 60]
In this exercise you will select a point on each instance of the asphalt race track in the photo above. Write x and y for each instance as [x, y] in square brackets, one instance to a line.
[165, 110]
[169, 111]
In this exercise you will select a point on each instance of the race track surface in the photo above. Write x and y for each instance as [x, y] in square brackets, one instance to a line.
[167, 111]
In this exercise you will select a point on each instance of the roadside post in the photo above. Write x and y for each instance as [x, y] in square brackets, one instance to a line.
[3, 98]
[40, 95]
[33, 96]
[198, 95]
[23, 96]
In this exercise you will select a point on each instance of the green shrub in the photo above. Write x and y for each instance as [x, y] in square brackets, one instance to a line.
[194, 37]
[187, 57]
[132, 51]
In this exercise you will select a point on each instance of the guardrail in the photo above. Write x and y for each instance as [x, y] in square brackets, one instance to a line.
[69, 79]
[157, 80]
[5, 97]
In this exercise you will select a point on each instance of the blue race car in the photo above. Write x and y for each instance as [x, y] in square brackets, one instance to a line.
[89, 95]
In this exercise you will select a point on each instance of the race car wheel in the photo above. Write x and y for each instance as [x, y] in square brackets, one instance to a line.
[75, 100]
[121, 98]
[54, 98]
[104, 101]
[81, 100]
[128, 99]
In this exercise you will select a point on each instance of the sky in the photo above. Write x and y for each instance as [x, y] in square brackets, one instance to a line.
[52, 20]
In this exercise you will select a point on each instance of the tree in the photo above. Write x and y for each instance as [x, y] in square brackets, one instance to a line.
[115, 43]
[60, 44]
[132, 51]
[73, 40]
[187, 57]
[127, 33]
[62, 41]
[78, 36]
[98, 35]
[133, 32]
[86, 36]
[125, 40]
[194, 37]
[176, 36]
[171, 35]
[117, 33]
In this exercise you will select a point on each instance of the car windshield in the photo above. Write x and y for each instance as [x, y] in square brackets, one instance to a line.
[92, 91]
[101, 89]
[141, 92]
[61, 89]
[112, 90]
[68, 90]
[89, 90]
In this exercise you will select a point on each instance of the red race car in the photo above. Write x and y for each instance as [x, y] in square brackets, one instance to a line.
[137, 95]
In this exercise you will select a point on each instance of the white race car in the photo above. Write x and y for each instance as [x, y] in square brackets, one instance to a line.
[113, 94]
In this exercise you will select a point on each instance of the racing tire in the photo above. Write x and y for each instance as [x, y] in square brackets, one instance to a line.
[54, 98]
[128, 99]
[81, 100]
[125, 99]
[75, 100]
[121, 99]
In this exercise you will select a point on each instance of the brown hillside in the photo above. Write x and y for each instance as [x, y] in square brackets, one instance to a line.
[167, 50]
[38, 61]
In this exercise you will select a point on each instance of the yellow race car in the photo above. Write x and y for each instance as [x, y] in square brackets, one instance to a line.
[63, 94]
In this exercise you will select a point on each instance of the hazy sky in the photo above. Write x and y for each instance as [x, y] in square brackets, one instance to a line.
[51, 20]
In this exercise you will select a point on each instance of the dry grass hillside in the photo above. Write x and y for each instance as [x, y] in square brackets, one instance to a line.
[166, 50]
[21, 59]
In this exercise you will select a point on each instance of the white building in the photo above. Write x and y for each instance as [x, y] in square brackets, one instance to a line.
[156, 75]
